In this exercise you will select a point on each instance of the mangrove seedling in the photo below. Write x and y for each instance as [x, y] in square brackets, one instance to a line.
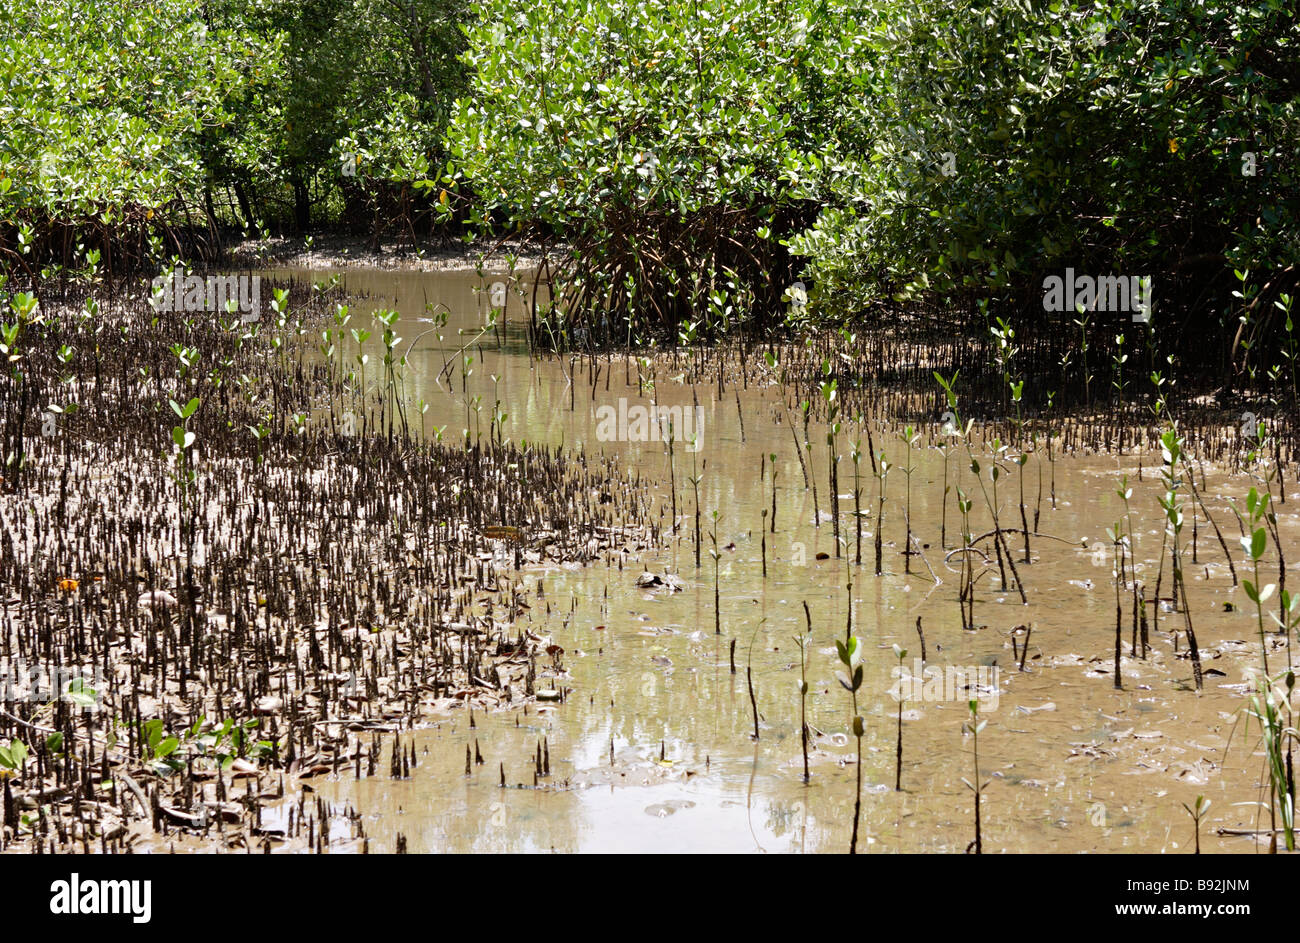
[802, 641]
[1197, 811]
[1082, 323]
[1267, 705]
[974, 726]
[900, 653]
[829, 396]
[909, 438]
[713, 552]
[856, 455]
[1172, 447]
[806, 407]
[14, 756]
[1116, 535]
[881, 474]
[695, 479]
[749, 676]
[850, 655]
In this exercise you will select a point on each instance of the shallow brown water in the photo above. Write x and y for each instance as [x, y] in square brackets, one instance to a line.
[1072, 764]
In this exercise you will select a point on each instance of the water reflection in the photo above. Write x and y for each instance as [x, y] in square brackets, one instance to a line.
[649, 675]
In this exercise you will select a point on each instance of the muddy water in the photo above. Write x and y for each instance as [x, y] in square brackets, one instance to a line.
[653, 749]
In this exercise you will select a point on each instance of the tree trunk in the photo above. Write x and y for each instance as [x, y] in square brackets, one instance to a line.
[301, 204]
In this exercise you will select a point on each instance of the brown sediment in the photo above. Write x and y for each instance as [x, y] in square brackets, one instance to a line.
[1068, 733]
[305, 591]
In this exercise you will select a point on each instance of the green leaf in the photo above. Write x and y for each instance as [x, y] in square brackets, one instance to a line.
[80, 693]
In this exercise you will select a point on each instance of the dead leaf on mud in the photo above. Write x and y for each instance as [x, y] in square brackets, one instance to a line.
[1066, 661]
[1197, 773]
[1024, 709]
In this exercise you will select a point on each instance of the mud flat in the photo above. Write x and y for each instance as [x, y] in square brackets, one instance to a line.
[463, 610]
[213, 595]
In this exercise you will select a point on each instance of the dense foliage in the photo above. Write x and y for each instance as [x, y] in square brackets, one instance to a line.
[122, 124]
[683, 164]
[352, 116]
[1005, 141]
[660, 141]
[103, 109]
